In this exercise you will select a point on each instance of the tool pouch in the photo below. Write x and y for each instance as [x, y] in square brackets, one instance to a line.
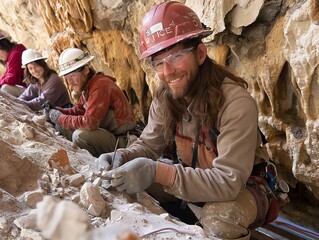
[267, 205]
[269, 193]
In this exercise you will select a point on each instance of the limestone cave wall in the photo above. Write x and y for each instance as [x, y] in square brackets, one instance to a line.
[274, 45]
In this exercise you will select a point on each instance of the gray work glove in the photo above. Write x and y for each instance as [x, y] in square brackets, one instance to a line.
[134, 176]
[54, 115]
[104, 162]
[47, 106]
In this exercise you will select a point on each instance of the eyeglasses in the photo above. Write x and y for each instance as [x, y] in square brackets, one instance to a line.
[175, 59]
[69, 64]
[75, 71]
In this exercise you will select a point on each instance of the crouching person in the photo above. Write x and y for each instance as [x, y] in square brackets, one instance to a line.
[102, 112]
[213, 120]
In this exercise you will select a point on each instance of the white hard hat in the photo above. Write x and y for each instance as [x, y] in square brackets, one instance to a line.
[72, 59]
[29, 56]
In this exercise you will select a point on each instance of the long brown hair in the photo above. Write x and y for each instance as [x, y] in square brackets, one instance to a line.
[47, 72]
[206, 94]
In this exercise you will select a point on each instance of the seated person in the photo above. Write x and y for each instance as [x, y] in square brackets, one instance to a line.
[45, 84]
[102, 113]
[213, 120]
[10, 57]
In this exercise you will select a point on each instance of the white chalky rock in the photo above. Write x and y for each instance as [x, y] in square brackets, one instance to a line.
[30, 234]
[39, 119]
[4, 225]
[26, 222]
[76, 180]
[61, 220]
[26, 131]
[32, 198]
[90, 195]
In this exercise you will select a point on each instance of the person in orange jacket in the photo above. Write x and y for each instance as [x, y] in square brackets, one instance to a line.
[102, 114]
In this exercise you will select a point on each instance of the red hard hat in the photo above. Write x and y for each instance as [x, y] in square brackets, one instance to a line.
[166, 24]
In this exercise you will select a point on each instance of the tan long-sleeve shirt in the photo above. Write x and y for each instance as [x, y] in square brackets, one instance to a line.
[238, 145]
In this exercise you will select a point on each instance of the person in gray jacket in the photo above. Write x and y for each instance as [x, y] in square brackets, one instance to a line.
[44, 83]
[196, 100]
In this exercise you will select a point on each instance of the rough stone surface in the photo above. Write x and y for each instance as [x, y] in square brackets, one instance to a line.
[272, 44]
[27, 221]
[32, 198]
[61, 219]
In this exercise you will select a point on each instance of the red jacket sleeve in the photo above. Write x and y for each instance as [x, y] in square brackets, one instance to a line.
[76, 110]
[13, 74]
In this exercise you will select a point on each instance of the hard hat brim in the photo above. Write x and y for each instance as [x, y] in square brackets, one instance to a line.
[76, 66]
[7, 37]
[165, 44]
[33, 60]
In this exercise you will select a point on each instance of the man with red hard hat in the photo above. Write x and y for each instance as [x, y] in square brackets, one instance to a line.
[213, 121]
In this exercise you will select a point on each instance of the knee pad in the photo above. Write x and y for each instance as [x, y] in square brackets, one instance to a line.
[229, 219]
[78, 137]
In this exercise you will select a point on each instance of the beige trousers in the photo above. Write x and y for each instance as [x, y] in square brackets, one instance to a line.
[101, 140]
[220, 220]
[97, 141]
[230, 220]
[13, 90]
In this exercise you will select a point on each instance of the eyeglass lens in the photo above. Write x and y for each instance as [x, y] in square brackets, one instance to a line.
[174, 59]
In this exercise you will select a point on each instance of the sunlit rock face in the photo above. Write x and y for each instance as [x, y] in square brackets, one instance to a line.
[272, 44]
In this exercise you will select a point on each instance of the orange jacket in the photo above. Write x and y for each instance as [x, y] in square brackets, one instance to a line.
[101, 95]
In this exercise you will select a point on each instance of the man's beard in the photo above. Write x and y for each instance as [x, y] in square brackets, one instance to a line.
[180, 93]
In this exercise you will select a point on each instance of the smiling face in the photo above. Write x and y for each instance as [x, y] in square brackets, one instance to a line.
[179, 69]
[36, 70]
